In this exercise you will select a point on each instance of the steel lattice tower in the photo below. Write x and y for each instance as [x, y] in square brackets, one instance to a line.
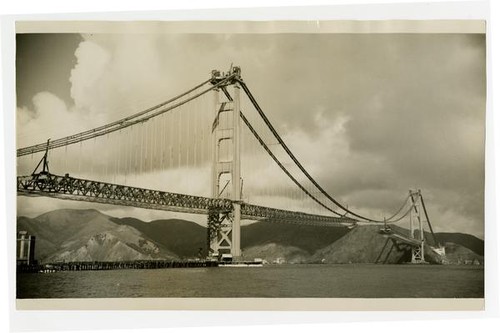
[224, 226]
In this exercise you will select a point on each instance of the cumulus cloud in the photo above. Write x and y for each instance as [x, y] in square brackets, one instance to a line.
[369, 116]
[38, 122]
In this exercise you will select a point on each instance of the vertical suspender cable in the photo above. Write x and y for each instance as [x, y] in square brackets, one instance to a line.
[136, 151]
[195, 131]
[188, 145]
[153, 144]
[141, 150]
[119, 153]
[106, 159]
[171, 142]
[179, 126]
[146, 146]
[66, 159]
[162, 143]
[79, 160]
[128, 152]
[91, 160]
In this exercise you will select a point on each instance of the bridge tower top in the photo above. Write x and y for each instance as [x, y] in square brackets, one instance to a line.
[218, 76]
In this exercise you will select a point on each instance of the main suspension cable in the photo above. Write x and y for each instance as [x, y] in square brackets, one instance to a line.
[404, 215]
[292, 156]
[264, 145]
[399, 210]
[118, 122]
[266, 148]
[282, 167]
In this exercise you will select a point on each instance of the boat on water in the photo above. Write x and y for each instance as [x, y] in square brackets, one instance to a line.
[226, 260]
[241, 264]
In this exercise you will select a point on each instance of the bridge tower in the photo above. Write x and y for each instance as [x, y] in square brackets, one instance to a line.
[224, 226]
[417, 227]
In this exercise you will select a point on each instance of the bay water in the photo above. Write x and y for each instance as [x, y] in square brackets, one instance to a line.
[321, 280]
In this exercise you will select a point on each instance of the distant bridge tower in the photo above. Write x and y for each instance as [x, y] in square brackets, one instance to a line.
[417, 227]
[224, 227]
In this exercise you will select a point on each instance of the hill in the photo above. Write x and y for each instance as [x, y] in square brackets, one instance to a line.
[468, 241]
[181, 237]
[187, 239]
[306, 237]
[457, 254]
[88, 235]
[365, 244]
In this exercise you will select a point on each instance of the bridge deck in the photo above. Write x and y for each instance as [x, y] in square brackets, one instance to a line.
[70, 188]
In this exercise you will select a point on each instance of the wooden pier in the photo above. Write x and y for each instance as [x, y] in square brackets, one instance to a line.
[113, 265]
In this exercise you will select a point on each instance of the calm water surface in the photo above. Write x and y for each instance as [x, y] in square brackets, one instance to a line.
[362, 281]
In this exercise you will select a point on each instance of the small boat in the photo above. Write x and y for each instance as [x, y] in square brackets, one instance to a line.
[241, 264]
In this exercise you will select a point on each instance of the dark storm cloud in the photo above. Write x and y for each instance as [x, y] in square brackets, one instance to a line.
[43, 63]
[426, 120]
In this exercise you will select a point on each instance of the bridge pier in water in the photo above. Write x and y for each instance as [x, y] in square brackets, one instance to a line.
[224, 227]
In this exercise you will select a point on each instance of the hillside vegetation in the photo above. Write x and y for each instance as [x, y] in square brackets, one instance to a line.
[88, 235]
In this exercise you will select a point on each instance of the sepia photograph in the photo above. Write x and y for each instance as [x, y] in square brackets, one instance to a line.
[263, 160]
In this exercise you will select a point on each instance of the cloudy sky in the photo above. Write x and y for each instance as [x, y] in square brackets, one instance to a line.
[369, 115]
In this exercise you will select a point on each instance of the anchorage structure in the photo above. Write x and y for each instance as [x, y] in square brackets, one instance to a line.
[224, 226]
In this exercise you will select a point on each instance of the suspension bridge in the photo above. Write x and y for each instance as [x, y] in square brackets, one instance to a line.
[217, 131]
